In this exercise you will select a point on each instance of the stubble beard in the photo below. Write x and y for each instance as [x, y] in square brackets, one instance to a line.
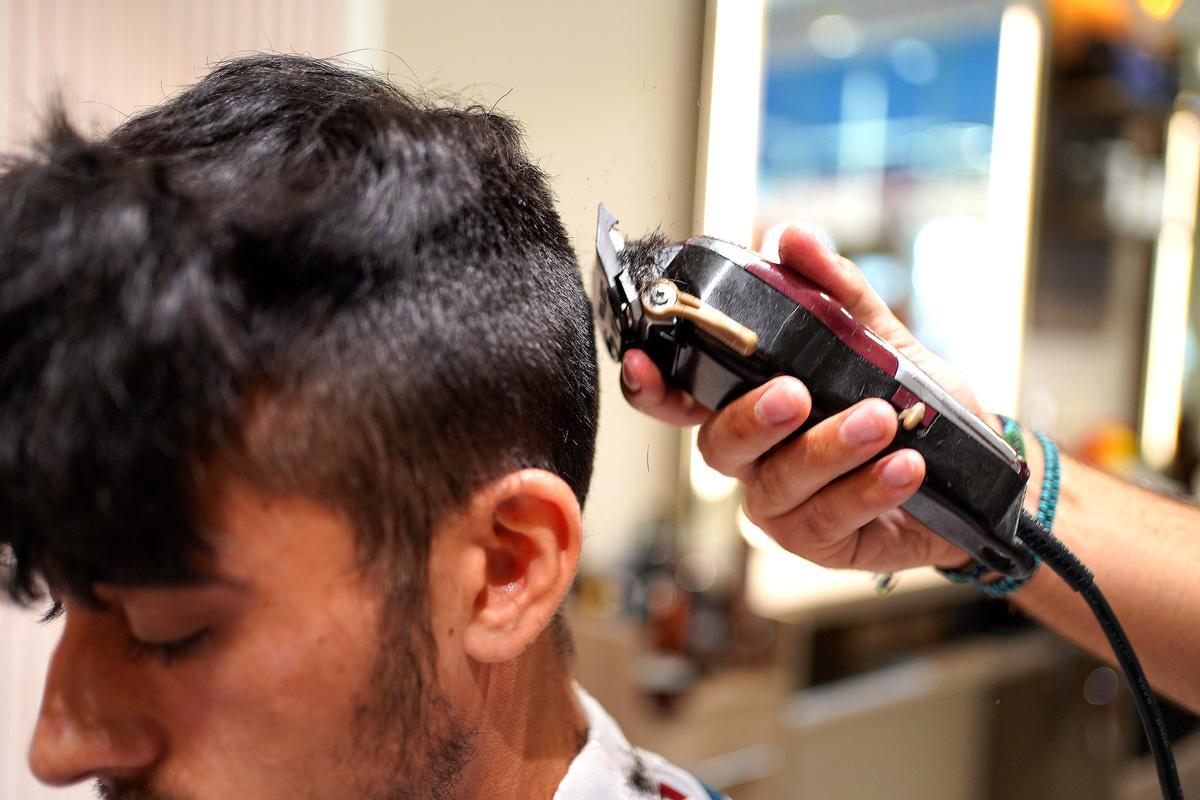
[405, 728]
[406, 739]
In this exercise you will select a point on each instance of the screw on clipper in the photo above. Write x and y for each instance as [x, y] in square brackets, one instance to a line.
[911, 417]
[663, 302]
[659, 296]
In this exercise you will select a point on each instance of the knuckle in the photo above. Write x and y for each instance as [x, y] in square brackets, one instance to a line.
[819, 452]
[785, 532]
[769, 492]
[715, 450]
[819, 519]
[818, 448]
[710, 450]
[721, 439]
[738, 425]
[841, 556]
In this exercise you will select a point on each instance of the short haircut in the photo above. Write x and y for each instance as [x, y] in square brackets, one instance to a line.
[295, 268]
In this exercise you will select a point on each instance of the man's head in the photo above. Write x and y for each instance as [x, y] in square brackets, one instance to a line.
[297, 379]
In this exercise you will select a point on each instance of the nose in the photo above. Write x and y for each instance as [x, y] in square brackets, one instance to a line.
[91, 723]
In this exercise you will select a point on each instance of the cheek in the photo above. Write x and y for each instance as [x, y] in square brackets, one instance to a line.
[283, 691]
[450, 603]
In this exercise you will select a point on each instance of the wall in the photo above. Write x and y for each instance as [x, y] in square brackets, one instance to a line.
[608, 93]
[111, 59]
[107, 60]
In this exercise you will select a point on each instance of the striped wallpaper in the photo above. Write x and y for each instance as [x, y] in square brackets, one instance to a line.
[109, 58]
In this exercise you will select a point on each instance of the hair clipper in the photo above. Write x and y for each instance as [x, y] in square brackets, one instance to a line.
[719, 320]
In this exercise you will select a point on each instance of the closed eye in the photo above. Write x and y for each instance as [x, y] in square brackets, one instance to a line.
[168, 653]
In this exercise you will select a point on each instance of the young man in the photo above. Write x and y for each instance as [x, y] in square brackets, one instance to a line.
[297, 411]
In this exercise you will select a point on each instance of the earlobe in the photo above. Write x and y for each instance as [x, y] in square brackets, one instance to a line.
[531, 552]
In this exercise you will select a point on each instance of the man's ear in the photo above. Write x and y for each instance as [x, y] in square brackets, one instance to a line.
[528, 530]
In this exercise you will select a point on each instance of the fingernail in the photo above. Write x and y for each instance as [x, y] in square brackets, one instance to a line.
[628, 380]
[864, 426]
[899, 472]
[777, 406]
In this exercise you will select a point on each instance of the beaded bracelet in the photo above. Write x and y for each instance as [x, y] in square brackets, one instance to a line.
[974, 572]
[1051, 480]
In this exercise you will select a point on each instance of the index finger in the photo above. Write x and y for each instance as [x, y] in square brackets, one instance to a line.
[804, 252]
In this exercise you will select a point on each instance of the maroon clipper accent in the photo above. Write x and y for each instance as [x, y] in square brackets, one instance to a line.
[809, 296]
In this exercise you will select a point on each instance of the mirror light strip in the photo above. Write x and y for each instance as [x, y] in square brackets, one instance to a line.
[1170, 296]
[727, 159]
[1011, 191]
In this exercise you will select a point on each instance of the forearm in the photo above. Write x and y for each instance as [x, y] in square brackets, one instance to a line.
[1145, 552]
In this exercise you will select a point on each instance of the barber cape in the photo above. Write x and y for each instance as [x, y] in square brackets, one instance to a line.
[610, 768]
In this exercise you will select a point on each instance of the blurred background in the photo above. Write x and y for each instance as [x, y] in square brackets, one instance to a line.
[1019, 180]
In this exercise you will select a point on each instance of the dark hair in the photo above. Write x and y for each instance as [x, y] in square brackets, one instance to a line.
[299, 270]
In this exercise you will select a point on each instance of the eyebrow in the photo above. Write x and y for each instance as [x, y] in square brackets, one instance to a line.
[109, 592]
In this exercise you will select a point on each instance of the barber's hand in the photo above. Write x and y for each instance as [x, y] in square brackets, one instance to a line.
[814, 495]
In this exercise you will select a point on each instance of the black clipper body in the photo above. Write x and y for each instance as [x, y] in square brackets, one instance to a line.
[722, 320]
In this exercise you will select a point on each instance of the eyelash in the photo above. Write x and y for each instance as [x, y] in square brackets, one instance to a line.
[52, 613]
[166, 653]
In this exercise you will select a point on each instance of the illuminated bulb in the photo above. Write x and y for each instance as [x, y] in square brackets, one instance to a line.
[1011, 181]
[834, 36]
[1160, 9]
[915, 61]
[1170, 292]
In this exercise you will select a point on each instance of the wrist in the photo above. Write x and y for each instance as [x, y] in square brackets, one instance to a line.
[1040, 497]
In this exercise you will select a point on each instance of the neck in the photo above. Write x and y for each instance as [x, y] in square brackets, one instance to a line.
[530, 727]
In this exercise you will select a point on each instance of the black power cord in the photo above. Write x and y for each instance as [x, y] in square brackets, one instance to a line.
[1056, 555]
